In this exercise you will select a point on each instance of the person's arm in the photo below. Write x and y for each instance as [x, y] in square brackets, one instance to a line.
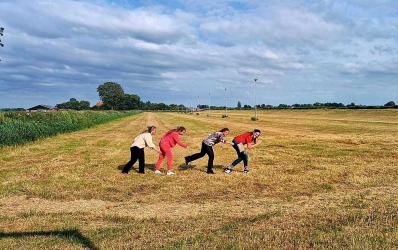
[226, 142]
[250, 145]
[149, 142]
[178, 141]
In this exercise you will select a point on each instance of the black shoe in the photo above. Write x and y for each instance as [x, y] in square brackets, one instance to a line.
[210, 171]
[186, 161]
[141, 172]
[124, 172]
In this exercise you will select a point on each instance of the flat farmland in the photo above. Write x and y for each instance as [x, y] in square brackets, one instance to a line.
[320, 179]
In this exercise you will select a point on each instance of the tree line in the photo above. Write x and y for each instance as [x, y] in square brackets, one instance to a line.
[317, 105]
[113, 97]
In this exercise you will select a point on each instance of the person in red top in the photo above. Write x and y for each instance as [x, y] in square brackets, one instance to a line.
[249, 139]
[168, 141]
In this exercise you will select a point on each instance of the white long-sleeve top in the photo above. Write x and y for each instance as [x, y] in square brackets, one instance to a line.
[143, 140]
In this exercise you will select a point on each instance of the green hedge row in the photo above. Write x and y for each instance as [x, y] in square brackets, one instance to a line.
[21, 127]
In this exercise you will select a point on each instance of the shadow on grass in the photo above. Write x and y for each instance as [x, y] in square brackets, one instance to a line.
[71, 235]
[184, 167]
[151, 167]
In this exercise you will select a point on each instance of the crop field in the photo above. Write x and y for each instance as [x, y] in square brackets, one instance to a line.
[320, 179]
[21, 127]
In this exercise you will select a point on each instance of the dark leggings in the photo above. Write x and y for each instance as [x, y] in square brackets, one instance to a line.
[205, 150]
[136, 154]
[242, 156]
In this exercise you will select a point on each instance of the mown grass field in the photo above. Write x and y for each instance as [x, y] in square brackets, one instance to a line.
[320, 179]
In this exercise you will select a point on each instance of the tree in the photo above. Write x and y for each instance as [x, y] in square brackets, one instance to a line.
[112, 94]
[239, 106]
[74, 104]
[389, 104]
[283, 106]
[131, 102]
[351, 105]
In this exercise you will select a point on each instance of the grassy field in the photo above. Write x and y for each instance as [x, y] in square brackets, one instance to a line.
[320, 179]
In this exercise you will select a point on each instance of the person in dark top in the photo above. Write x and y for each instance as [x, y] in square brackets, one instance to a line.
[207, 148]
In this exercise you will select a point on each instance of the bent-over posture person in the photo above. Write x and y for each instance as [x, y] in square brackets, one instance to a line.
[137, 150]
[249, 139]
[168, 141]
[207, 148]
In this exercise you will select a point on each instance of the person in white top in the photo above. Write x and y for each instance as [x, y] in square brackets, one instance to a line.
[137, 150]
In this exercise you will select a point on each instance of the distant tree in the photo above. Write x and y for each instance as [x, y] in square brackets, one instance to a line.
[247, 106]
[112, 94]
[131, 102]
[203, 106]
[283, 106]
[84, 105]
[239, 106]
[74, 104]
[351, 105]
[389, 104]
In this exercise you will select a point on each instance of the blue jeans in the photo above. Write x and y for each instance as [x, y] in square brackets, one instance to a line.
[242, 156]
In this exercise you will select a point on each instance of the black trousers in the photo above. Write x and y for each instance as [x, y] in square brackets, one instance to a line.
[136, 154]
[205, 150]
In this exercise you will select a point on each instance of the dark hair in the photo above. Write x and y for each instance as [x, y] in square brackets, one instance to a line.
[149, 129]
[178, 129]
[255, 131]
[224, 129]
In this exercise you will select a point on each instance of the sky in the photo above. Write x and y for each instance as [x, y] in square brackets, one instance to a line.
[179, 51]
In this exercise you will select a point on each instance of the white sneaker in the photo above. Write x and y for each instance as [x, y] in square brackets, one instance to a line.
[170, 173]
[158, 172]
[227, 171]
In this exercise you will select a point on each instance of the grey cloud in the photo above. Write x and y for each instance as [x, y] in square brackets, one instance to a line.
[68, 47]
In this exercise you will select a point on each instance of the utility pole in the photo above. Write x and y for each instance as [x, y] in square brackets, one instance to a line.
[226, 113]
[209, 102]
[197, 106]
[255, 101]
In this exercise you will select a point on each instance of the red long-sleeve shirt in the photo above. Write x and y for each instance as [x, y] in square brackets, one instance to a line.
[171, 139]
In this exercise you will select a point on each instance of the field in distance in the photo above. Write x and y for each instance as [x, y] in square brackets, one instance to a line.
[320, 179]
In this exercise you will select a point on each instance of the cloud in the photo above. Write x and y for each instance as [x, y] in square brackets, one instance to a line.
[163, 51]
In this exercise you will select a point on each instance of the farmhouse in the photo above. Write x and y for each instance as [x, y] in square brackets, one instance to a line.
[42, 108]
[99, 104]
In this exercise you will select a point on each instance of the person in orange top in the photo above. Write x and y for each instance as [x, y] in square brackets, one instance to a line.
[250, 140]
[169, 141]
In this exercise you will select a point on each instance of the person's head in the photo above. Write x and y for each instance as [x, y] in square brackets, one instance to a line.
[181, 130]
[225, 131]
[256, 133]
[151, 130]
